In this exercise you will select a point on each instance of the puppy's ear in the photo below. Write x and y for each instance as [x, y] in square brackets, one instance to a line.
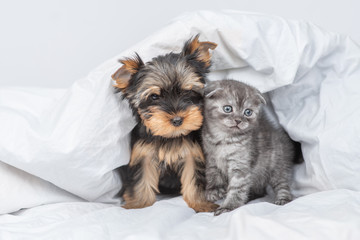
[200, 49]
[123, 75]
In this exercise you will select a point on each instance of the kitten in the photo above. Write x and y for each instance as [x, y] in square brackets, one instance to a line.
[244, 151]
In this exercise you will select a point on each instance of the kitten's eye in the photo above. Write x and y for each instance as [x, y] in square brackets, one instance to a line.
[154, 96]
[227, 108]
[248, 112]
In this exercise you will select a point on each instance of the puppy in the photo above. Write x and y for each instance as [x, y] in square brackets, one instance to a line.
[166, 97]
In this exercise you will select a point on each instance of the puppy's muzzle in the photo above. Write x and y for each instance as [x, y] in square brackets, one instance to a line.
[177, 121]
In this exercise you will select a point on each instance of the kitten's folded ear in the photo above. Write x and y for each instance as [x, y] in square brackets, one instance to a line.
[261, 97]
[212, 89]
[123, 75]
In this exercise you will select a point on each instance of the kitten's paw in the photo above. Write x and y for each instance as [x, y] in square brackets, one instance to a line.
[213, 195]
[228, 207]
[282, 201]
[221, 210]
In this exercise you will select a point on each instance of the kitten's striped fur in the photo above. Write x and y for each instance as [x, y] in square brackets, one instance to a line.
[244, 153]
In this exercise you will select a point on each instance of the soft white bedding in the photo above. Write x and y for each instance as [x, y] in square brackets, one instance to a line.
[60, 148]
[325, 215]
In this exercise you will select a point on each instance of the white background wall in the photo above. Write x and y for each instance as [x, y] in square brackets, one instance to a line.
[51, 43]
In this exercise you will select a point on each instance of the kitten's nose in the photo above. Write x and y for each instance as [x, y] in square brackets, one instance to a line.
[177, 121]
[237, 121]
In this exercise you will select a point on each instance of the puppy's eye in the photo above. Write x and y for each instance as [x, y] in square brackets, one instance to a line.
[248, 112]
[227, 108]
[154, 96]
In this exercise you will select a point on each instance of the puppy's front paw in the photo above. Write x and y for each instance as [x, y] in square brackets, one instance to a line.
[213, 195]
[204, 207]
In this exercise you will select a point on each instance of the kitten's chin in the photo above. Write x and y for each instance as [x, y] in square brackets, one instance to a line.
[233, 130]
[236, 130]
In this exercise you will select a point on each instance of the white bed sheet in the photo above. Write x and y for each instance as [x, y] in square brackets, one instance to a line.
[326, 215]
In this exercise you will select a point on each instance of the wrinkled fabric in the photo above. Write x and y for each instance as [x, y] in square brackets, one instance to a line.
[71, 142]
[321, 216]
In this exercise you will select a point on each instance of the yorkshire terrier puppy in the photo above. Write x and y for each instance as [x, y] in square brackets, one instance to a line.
[166, 97]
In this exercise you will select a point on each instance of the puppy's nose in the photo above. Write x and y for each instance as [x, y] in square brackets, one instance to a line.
[237, 121]
[177, 121]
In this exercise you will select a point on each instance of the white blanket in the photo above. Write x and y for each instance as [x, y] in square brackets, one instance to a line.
[58, 146]
[325, 215]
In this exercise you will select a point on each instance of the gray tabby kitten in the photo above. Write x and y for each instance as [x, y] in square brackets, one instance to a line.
[244, 151]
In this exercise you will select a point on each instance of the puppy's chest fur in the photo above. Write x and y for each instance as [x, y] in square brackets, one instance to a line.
[168, 153]
[173, 152]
